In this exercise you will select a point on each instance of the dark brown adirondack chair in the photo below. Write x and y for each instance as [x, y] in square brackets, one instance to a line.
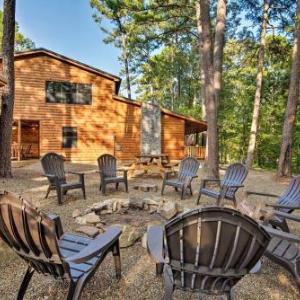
[108, 172]
[233, 179]
[283, 249]
[53, 166]
[38, 239]
[287, 202]
[188, 169]
[207, 250]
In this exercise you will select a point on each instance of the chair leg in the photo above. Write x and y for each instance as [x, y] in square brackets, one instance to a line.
[176, 188]
[230, 295]
[48, 191]
[83, 192]
[191, 191]
[75, 290]
[117, 185]
[182, 192]
[168, 281]
[103, 187]
[199, 196]
[126, 184]
[100, 187]
[163, 188]
[60, 194]
[25, 283]
[117, 259]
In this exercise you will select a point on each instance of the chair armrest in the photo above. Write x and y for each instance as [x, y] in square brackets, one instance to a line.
[155, 243]
[76, 173]
[232, 185]
[281, 234]
[282, 206]
[286, 215]
[261, 194]
[50, 176]
[96, 246]
[58, 225]
[166, 174]
[205, 181]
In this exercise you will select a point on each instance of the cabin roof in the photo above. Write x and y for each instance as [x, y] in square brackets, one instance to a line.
[63, 58]
[197, 125]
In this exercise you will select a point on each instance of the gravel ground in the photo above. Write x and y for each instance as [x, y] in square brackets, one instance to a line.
[138, 271]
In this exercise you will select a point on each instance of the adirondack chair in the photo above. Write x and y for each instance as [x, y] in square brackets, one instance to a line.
[53, 166]
[206, 249]
[108, 172]
[233, 180]
[287, 202]
[188, 168]
[283, 249]
[39, 240]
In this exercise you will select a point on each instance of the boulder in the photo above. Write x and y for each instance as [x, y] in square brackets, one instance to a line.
[92, 218]
[136, 203]
[88, 230]
[129, 236]
[168, 210]
[146, 187]
[81, 220]
[76, 213]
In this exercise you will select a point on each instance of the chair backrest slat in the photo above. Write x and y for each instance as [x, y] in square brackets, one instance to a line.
[53, 164]
[291, 196]
[107, 165]
[31, 233]
[188, 167]
[235, 173]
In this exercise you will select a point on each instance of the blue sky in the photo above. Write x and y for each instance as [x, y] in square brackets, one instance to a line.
[67, 27]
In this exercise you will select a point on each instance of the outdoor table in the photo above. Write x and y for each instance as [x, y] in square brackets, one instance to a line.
[151, 163]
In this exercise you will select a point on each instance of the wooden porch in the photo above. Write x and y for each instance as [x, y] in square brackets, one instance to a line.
[25, 139]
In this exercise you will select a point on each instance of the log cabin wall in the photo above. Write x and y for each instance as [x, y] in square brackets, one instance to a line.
[173, 136]
[105, 126]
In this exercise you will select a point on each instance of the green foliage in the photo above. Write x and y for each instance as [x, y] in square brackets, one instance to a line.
[21, 42]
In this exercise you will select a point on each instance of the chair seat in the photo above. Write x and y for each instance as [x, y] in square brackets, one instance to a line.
[69, 245]
[114, 179]
[174, 182]
[73, 185]
[214, 194]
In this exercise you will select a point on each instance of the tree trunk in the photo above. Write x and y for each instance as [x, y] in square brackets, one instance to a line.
[7, 101]
[219, 47]
[284, 163]
[210, 101]
[126, 65]
[258, 92]
[200, 42]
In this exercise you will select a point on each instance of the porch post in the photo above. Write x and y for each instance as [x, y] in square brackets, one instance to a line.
[19, 139]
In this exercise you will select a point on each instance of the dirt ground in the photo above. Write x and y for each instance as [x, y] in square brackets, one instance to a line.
[138, 270]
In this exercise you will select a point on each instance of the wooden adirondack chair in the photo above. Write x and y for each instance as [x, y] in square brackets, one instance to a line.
[283, 249]
[207, 250]
[108, 172]
[233, 179]
[38, 239]
[53, 166]
[188, 169]
[287, 202]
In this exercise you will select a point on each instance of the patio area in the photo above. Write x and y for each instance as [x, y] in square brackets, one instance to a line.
[138, 270]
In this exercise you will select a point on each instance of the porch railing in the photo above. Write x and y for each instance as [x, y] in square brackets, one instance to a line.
[196, 151]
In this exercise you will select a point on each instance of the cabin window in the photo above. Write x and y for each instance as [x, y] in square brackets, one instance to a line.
[69, 137]
[68, 93]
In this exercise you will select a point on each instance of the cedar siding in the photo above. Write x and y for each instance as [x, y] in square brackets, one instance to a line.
[111, 124]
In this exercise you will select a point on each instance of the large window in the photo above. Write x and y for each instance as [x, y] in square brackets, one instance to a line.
[69, 137]
[67, 92]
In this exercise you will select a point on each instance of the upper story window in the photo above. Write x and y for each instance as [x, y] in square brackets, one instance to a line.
[69, 93]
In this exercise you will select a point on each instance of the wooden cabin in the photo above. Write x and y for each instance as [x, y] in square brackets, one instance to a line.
[71, 108]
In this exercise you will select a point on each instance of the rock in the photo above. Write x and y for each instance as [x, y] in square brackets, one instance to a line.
[129, 236]
[92, 218]
[136, 203]
[168, 210]
[80, 220]
[88, 230]
[150, 201]
[146, 187]
[76, 213]
[144, 240]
